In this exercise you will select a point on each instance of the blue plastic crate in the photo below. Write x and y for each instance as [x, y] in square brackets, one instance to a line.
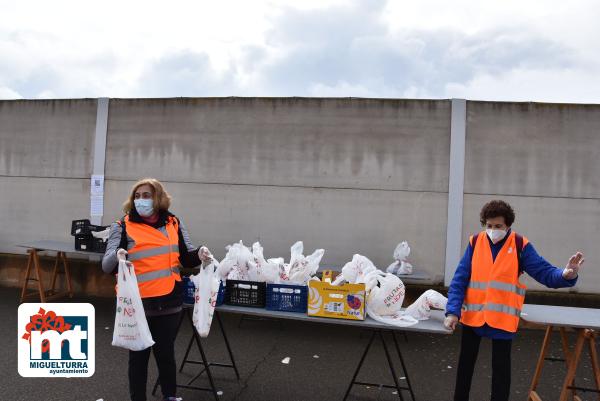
[287, 297]
[221, 294]
[188, 290]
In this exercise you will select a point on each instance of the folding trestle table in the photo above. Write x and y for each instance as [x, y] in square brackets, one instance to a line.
[586, 323]
[384, 332]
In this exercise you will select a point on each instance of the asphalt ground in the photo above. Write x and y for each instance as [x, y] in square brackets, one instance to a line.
[322, 362]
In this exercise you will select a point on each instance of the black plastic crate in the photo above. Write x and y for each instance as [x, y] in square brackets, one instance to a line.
[88, 243]
[245, 293]
[84, 227]
[287, 297]
[80, 227]
[83, 242]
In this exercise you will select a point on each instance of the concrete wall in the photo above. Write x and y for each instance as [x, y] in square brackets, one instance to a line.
[348, 175]
[45, 165]
[336, 173]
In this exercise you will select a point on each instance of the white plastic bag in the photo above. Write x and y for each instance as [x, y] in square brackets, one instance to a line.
[301, 268]
[399, 319]
[356, 270]
[418, 310]
[306, 267]
[235, 264]
[205, 297]
[401, 265]
[385, 294]
[103, 235]
[421, 308]
[131, 327]
[261, 269]
[281, 268]
[402, 251]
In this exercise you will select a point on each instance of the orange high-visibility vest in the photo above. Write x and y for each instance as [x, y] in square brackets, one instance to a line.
[155, 256]
[494, 295]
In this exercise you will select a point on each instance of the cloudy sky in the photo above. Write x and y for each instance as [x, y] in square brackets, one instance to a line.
[491, 50]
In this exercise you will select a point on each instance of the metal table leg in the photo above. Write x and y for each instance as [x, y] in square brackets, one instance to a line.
[362, 359]
[410, 389]
[195, 338]
[388, 356]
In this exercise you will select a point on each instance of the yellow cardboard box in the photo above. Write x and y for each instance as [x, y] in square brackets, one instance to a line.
[345, 301]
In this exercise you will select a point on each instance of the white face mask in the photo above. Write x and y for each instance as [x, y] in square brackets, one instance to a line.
[144, 207]
[495, 235]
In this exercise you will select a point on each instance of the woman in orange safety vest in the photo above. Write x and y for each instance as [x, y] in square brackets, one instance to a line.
[157, 243]
[486, 294]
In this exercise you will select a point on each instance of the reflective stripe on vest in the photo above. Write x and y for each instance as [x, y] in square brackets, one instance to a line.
[157, 274]
[492, 307]
[480, 285]
[161, 250]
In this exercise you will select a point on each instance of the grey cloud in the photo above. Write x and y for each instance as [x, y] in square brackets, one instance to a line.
[187, 74]
[352, 45]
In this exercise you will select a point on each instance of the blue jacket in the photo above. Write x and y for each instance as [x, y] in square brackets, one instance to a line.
[532, 263]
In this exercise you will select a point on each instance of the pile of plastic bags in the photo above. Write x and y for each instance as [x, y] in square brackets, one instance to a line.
[385, 294]
[243, 263]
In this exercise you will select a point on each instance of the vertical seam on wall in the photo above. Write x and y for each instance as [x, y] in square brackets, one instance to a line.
[100, 147]
[456, 183]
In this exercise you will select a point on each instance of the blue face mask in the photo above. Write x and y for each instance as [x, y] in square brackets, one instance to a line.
[144, 207]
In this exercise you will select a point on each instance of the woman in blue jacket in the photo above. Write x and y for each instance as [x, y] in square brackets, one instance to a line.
[497, 217]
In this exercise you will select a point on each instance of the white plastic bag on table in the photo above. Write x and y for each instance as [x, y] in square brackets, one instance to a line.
[301, 267]
[282, 268]
[131, 327]
[385, 294]
[235, 264]
[401, 265]
[205, 297]
[227, 264]
[260, 269]
[421, 308]
[418, 310]
[402, 251]
[356, 270]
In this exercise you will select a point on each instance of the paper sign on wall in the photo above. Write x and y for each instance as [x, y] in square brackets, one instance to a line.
[97, 185]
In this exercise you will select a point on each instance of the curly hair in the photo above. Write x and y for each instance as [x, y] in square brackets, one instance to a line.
[160, 197]
[497, 208]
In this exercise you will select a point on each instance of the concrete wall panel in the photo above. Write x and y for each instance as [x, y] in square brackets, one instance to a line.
[533, 149]
[40, 209]
[556, 227]
[47, 138]
[340, 143]
[342, 221]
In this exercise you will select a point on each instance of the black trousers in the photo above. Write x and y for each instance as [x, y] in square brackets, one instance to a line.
[163, 330]
[469, 348]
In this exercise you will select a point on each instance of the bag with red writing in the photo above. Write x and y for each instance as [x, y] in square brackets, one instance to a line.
[131, 328]
[385, 297]
[207, 284]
